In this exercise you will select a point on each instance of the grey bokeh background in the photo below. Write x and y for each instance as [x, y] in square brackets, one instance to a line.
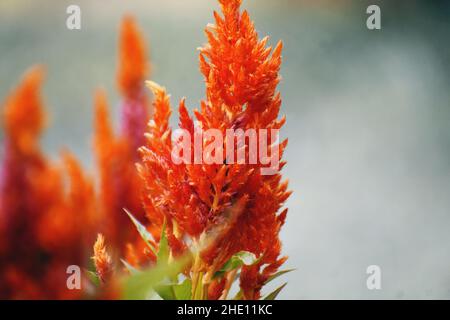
[368, 121]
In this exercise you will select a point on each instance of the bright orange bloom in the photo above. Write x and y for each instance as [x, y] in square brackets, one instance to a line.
[234, 201]
[24, 119]
[133, 66]
[102, 260]
[46, 211]
[69, 223]
[132, 72]
[120, 185]
[50, 212]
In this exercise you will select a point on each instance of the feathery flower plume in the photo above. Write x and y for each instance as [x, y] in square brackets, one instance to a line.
[220, 213]
[101, 258]
[42, 226]
[24, 119]
[133, 70]
[120, 186]
[232, 201]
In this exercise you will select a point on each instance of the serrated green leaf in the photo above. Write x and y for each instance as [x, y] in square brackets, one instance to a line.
[274, 294]
[163, 251]
[236, 261]
[129, 267]
[145, 235]
[276, 275]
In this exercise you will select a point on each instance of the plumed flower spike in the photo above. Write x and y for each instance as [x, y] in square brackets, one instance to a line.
[238, 67]
[117, 152]
[48, 207]
[24, 124]
[102, 124]
[101, 258]
[231, 205]
[160, 121]
[133, 66]
[132, 71]
[119, 184]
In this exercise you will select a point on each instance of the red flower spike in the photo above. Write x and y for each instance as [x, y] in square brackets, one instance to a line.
[133, 67]
[132, 72]
[102, 260]
[35, 209]
[241, 76]
[120, 185]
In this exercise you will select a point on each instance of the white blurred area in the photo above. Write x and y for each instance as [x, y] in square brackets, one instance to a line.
[368, 116]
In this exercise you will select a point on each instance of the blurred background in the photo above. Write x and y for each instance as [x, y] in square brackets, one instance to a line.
[368, 116]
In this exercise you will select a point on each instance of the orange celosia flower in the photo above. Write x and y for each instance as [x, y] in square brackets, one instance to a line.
[102, 260]
[133, 69]
[223, 208]
[43, 228]
[133, 66]
[120, 185]
[69, 223]
[241, 76]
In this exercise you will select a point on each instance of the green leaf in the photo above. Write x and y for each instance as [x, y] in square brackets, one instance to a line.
[274, 294]
[183, 290]
[236, 261]
[145, 235]
[129, 267]
[140, 286]
[276, 275]
[163, 251]
[93, 277]
[166, 291]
